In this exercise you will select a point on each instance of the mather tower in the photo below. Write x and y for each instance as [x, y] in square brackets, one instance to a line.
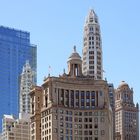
[92, 49]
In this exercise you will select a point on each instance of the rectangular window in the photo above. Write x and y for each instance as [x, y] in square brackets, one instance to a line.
[102, 132]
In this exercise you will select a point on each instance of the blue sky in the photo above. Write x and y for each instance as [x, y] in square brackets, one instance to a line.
[56, 26]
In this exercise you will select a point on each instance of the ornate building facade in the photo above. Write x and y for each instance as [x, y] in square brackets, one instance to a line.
[126, 114]
[80, 105]
[15, 129]
[26, 82]
[71, 107]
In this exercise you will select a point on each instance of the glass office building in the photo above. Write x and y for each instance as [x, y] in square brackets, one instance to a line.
[15, 49]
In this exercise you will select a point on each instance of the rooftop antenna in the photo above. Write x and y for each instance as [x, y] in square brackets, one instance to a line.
[49, 71]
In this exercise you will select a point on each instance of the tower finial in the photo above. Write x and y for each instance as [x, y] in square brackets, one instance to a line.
[74, 48]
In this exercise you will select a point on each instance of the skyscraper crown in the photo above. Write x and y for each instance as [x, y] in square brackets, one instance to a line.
[92, 17]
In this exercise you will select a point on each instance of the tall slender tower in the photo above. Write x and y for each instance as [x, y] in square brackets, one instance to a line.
[26, 82]
[92, 49]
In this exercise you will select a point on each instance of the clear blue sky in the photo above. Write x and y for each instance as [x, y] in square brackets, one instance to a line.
[57, 25]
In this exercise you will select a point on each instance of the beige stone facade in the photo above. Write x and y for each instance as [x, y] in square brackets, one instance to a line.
[36, 105]
[126, 114]
[15, 129]
[72, 106]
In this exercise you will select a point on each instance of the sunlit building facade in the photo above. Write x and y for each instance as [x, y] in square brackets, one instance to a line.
[15, 129]
[92, 47]
[126, 114]
[26, 82]
[71, 107]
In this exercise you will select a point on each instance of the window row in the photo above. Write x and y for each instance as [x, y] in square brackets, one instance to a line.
[80, 113]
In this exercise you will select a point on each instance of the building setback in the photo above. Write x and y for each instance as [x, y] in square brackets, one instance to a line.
[15, 49]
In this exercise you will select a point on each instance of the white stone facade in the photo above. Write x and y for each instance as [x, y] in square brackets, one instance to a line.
[26, 82]
[92, 47]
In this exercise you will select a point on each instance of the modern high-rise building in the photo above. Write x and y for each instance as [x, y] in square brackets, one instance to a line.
[126, 114]
[92, 47]
[71, 107]
[26, 82]
[15, 49]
